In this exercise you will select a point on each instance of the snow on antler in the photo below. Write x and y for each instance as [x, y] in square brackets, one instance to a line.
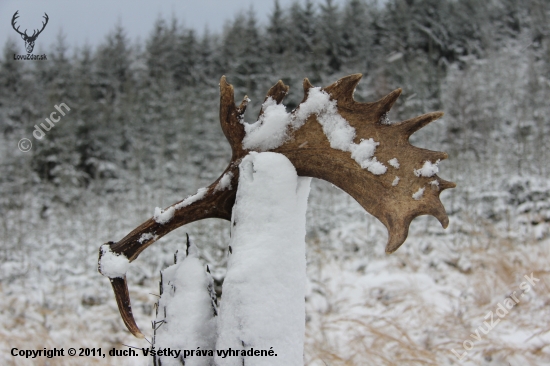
[328, 136]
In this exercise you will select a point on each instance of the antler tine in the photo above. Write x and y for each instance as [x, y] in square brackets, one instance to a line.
[438, 211]
[398, 224]
[13, 20]
[307, 85]
[242, 107]
[343, 89]
[398, 230]
[277, 92]
[444, 184]
[389, 100]
[432, 155]
[43, 25]
[120, 288]
[412, 125]
[231, 116]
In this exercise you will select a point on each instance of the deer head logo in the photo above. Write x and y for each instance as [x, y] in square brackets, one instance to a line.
[29, 40]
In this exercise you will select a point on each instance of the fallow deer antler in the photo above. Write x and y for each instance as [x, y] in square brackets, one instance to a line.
[328, 136]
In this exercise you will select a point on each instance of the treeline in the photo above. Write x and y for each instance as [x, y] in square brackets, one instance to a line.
[148, 113]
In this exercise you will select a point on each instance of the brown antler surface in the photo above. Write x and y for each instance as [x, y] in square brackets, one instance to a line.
[328, 136]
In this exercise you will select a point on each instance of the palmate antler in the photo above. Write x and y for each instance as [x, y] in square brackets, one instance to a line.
[328, 136]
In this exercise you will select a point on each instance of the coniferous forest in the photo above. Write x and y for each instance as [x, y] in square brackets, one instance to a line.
[143, 131]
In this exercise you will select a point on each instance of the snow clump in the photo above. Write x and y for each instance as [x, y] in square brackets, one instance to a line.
[428, 169]
[418, 194]
[435, 184]
[225, 182]
[270, 131]
[163, 216]
[111, 264]
[201, 192]
[145, 237]
[393, 162]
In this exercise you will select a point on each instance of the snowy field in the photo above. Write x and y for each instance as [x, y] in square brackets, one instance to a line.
[364, 307]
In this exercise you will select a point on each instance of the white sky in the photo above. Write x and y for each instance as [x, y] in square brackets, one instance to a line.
[89, 21]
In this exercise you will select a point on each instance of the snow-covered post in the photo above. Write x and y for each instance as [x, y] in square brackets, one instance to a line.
[186, 313]
[263, 304]
[263, 307]
[328, 136]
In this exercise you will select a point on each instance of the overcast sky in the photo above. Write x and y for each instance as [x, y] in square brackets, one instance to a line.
[90, 21]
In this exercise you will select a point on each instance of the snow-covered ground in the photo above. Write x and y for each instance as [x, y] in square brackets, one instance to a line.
[436, 292]
[364, 307]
